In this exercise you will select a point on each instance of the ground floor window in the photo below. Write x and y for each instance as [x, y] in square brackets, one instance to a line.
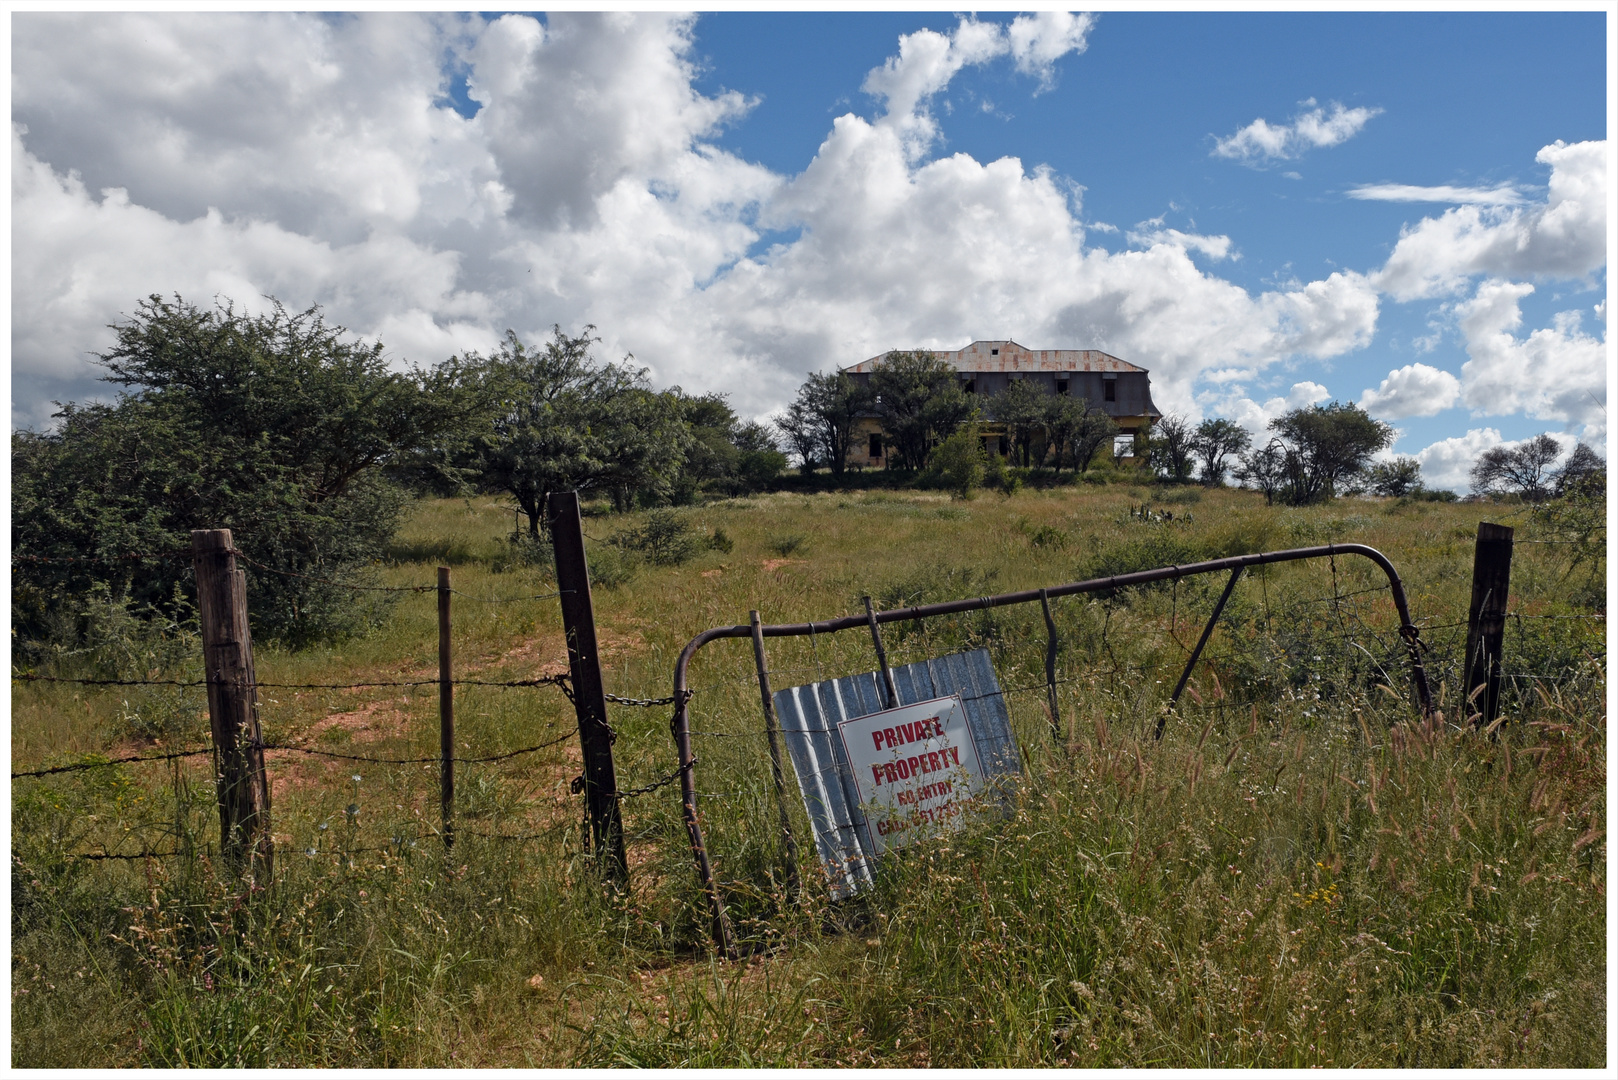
[876, 445]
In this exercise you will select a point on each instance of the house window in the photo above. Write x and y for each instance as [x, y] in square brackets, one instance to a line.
[1061, 386]
[971, 386]
[876, 445]
[1005, 446]
[994, 352]
[1109, 390]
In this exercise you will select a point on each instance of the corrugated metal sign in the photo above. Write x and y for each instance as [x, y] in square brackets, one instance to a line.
[810, 715]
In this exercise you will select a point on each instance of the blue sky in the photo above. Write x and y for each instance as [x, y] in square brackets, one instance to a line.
[739, 198]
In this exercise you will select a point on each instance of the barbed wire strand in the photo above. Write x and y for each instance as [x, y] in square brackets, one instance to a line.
[543, 680]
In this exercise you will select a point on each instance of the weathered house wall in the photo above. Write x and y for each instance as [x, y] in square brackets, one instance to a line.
[985, 368]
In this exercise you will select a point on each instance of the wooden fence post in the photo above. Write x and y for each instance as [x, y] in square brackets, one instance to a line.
[589, 695]
[1486, 621]
[446, 716]
[227, 650]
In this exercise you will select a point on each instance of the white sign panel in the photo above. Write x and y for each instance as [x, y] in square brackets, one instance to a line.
[916, 768]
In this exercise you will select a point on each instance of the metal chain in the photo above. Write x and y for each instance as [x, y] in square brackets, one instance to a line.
[654, 785]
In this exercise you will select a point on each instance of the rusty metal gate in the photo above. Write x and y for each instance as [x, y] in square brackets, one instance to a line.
[1236, 565]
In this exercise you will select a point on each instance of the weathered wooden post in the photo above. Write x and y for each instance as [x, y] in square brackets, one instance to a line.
[242, 788]
[589, 696]
[446, 716]
[1486, 621]
[770, 725]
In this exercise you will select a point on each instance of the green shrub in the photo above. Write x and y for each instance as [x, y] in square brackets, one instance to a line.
[665, 538]
[788, 543]
[958, 463]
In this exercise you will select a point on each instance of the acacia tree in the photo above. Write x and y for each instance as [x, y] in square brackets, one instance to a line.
[820, 422]
[723, 452]
[1264, 468]
[278, 426]
[1396, 478]
[1213, 441]
[1077, 429]
[568, 423]
[1524, 468]
[1326, 447]
[920, 401]
[1022, 407]
[1171, 448]
[799, 430]
[1583, 474]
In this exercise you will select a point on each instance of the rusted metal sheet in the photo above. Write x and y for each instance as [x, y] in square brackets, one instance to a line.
[1008, 356]
[809, 716]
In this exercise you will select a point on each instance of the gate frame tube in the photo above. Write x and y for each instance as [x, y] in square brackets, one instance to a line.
[679, 724]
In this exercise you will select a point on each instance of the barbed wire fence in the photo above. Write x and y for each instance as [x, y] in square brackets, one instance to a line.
[291, 750]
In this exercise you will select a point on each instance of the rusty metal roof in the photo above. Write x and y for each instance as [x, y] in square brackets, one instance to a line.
[1010, 356]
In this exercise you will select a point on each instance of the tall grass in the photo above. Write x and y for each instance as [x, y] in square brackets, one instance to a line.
[1297, 874]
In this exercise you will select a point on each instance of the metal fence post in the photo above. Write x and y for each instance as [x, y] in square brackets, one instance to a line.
[446, 716]
[1486, 621]
[881, 655]
[589, 696]
[242, 788]
[770, 725]
[1051, 645]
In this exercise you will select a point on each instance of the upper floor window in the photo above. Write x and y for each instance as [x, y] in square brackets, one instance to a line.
[994, 352]
[1109, 390]
[1061, 386]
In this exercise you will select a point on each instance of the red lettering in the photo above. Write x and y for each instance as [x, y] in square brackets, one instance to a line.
[876, 774]
[932, 760]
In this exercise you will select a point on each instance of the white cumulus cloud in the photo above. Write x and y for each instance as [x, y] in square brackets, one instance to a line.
[1261, 141]
[1566, 236]
[1556, 373]
[1446, 463]
[1413, 390]
[1038, 41]
[1255, 416]
[317, 160]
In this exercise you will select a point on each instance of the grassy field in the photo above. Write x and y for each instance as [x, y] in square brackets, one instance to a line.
[1297, 874]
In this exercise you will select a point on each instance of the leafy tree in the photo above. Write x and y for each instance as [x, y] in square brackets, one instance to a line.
[1022, 407]
[829, 405]
[710, 455]
[1171, 448]
[920, 401]
[1584, 473]
[1396, 478]
[277, 426]
[800, 431]
[1265, 469]
[1077, 429]
[759, 459]
[568, 423]
[723, 453]
[1214, 441]
[1326, 446]
[1524, 468]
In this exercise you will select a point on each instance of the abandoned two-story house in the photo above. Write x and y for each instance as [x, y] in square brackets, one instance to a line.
[987, 367]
